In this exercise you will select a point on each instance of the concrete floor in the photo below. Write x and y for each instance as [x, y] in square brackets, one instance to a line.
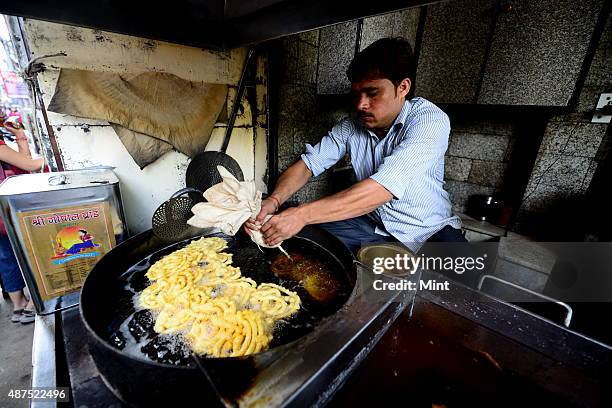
[15, 356]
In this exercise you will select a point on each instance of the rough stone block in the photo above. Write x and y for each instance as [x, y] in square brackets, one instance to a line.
[307, 64]
[487, 173]
[573, 139]
[336, 50]
[311, 37]
[331, 115]
[398, 24]
[540, 197]
[571, 117]
[554, 178]
[300, 140]
[453, 50]
[286, 161]
[290, 59]
[457, 168]
[478, 146]
[502, 128]
[286, 134]
[313, 190]
[484, 127]
[308, 134]
[589, 95]
[550, 46]
[297, 102]
[561, 171]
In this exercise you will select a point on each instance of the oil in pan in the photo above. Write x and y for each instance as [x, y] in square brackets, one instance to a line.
[314, 274]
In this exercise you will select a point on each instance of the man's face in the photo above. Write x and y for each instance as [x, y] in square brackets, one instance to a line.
[378, 101]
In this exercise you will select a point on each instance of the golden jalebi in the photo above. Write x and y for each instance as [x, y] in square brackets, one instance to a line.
[197, 292]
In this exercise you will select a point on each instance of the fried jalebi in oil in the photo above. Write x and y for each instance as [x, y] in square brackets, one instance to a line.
[196, 291]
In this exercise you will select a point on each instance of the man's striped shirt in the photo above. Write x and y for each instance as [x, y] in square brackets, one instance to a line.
[408, 161]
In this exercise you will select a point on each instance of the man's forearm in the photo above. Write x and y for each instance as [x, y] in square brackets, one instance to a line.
[291, 181]
[360, 199]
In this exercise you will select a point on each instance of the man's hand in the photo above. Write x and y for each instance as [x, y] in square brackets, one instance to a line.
[283, 226]
[268, 207]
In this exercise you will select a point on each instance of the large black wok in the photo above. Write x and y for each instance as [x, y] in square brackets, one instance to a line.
[143, 382]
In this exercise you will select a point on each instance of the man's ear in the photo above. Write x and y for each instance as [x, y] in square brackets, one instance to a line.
[404, 87]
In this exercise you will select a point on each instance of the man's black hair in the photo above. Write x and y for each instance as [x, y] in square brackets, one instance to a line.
[387, 58]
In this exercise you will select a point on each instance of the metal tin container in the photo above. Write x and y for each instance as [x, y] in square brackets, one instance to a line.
[59, 225]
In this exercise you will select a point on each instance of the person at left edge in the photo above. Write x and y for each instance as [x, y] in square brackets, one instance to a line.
[15, 161]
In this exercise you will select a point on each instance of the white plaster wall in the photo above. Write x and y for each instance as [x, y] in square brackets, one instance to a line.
[86, 142]
[96, 50]
[142, 190]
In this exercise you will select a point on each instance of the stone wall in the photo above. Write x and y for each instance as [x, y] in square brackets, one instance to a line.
[572, 150]
[304, 117]
[483, 154]
[477, 158]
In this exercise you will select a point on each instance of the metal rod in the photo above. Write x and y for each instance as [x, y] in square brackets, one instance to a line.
[569, 311]
[53, 141]
[37, 99]
[239, 93]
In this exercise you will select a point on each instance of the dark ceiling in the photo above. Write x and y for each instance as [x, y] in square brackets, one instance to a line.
[216, 24]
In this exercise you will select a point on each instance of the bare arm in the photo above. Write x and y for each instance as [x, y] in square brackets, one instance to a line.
[21, 139]
[357, 200]
[314, 161]
[22, 144]
[19, 159]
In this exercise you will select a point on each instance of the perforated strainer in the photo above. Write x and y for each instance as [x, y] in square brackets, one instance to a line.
[170, 218]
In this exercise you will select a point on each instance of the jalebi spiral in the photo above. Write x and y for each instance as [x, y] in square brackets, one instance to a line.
[196, 292]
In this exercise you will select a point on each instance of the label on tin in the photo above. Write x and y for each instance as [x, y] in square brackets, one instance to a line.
[64, 244]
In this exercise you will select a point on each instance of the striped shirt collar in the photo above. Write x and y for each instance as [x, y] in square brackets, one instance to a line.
[403, 114]
[399, 121]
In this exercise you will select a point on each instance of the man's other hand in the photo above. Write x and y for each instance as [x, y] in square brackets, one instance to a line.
[283, 226]
[268, 207]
